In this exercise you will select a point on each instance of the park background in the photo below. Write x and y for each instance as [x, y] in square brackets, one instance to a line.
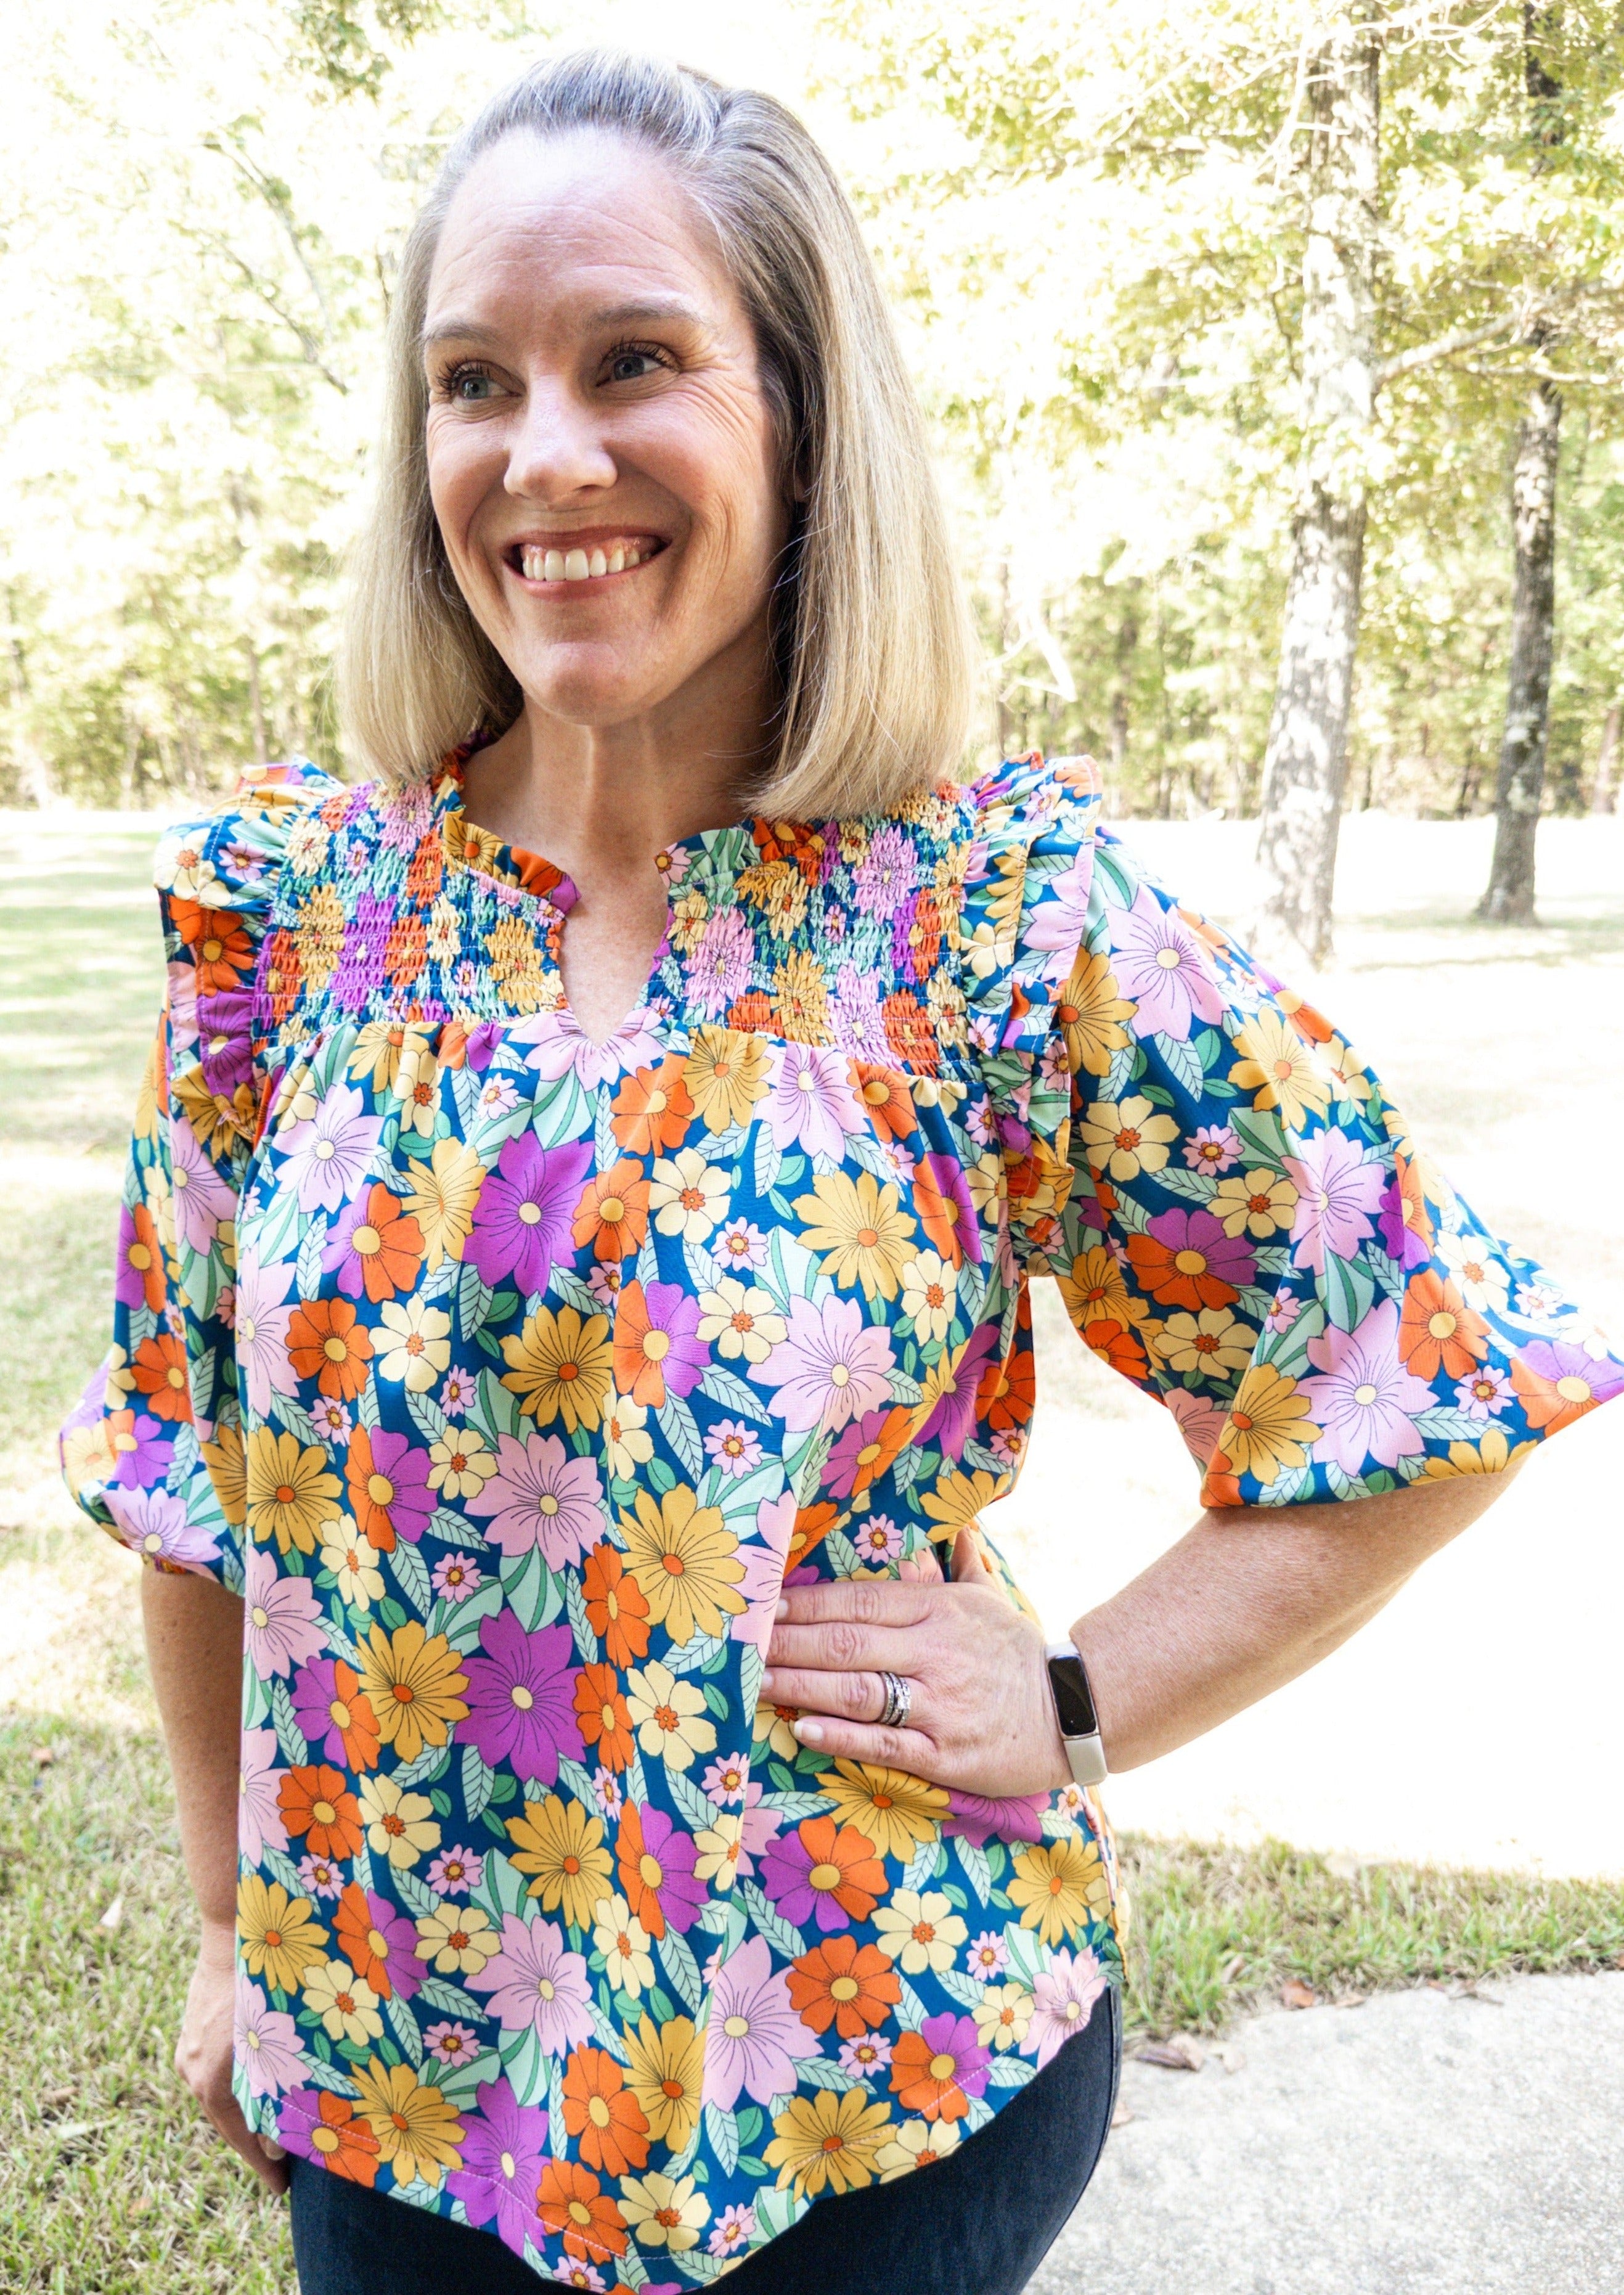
[1097, 223]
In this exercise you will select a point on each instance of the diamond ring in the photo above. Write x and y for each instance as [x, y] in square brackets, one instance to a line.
[899, 1699]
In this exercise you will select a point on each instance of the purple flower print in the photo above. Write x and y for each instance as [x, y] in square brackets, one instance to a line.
[888, 873]
[956, 2036]
[542, 1495]
[360, 959]
[682, 1895]
[670, 1309]
[503, 2147]
[266, 2042]
[947, 1175]
[977, 1817]
[260, 1823]
[1063, 1997]
[225, 1034]
[754, 2034]
[315, 1693]
[157, 1526]
[558, 1043]
[953, 1421]
[1574, 1370]
[787, 1871]
[406, 1470]
[522, 1220]
[405, 1971]
[1400, 1240]
[812, 1104]
[1338, 1195]
[329, 1154]
[855, 1016]
[1365, 1402]
[282, 1623]
[719, 971]
[829, 1367]
[521, 1698]
[144, 1458]
[536, 1985]
[203, 1197]
[1160, 962]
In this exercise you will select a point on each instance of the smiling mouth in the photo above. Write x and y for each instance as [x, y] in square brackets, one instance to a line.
[537, 561]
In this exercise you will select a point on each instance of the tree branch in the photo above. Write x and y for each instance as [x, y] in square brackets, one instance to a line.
[1447, 346]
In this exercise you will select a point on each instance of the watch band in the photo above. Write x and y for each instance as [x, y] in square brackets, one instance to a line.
[1068, 1683]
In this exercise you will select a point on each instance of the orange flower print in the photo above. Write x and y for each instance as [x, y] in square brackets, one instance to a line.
[143, 1255]
[316, 1803]
[600, 2110]
[653, 1110]
[604, 1719]
[330, 2135]
[1008, 1394]
[926, 2079]
[613, 1213]
[945, 1214]
[327, 1342]
[573, 2206]
[361, 1941]
[387, 1244]
[1116, 1346]
[616, 1607]
[885, 1099]
[852, 1986]
[1438, 1331]
[221, 948]
[159, 1373]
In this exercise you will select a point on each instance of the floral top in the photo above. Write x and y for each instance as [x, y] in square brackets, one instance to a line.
[508, 1375]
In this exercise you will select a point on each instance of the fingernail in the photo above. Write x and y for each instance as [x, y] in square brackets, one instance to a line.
[782, 1610]
[271, 2149]
[767, 1683]
[810, 1733]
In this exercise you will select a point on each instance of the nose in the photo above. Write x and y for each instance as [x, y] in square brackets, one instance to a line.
[557, 449]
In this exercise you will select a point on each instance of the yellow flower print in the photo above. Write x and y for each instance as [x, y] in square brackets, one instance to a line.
[561, 1366]
[290, 1494]
[1279, 1069]
[626, 1443]
[895, 1812]
[319, 927]
[377, 1053]
[917, 2144]
[663, 2211]
[1060, 1886]
[1002, 2015]
[829, 2142]
[1126, 1137]
[227, 1464]
[444, 1198]
[800, 998]
[417, 2131]
[415, 1682]
[860, 1231]
[444, 932]
[417, 1087]
[1211, 1342]
[669, 1715]
[1490, 1455]
[277, 1935]
[919, 1932]
[625, 1945]
[457, 1940]
[562, 1847]
[666, 2074]
[958, 1497]
[779, 890]
[726, 1074]
[738, 1322]
[1089, 1014]
[1261, 1203]
[1269, 1426]
[399, 1826]
[686, 1561]
[412, 1344]
[687, 1196]
[930, 1293]
[347, 2007]
[690, 912]
[350, 1555]
[1096, 1290]
[519, 966]
[459, 1463]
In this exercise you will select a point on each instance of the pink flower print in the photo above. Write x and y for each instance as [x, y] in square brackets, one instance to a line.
[265, 2042]
[1212, 1147]
[504, 2146]
[733, 1447]
[451, 2044]
[741, 1247]
[329, 1154]
[319, 1876]
[735, 2228]
[1200, 1421]
[988, 1956]
[522, 1219]
[888, 873]
[536, 1985]
[157, 1526]
[1063, 1997]
[521, 1698]
[1338, 1195]
[1400, 1240]
[681, 1894]
[261, 1329]
[760, 1830]
[753, 2033]
[666, 1308]
[455, 1872]
[260, 1823]
[226, 1030]
[456, 1576]
[953, 1420]
[764, 1558]
[203, 1199]
[1061, 915]
[558, 1043]
[978, 1818]
[1365, 1402]
[855, 1016]
[282, 1623]
[1160, 962]
[828, 1368]
[812, 1104]
[542, 1495]
[725, 1780]
[1485, 1394]
[458, 1389]
[719, 970]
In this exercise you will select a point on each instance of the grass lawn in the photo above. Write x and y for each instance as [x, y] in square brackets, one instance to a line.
[109, 2181]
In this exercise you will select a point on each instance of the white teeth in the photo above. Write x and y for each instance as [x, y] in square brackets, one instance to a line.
[599, 563]
[554, 566]
[617, 560]
[574, 566]
[538, 564]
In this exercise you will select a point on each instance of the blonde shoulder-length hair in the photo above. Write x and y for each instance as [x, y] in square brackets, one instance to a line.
[871, 636]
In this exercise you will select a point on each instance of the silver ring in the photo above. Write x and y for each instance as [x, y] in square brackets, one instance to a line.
[899, 1701]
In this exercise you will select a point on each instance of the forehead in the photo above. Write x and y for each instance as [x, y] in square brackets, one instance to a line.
[571, 223]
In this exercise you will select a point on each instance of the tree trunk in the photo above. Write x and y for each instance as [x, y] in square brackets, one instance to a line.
[1306, 760]
[1602, 794]
[1509, 899]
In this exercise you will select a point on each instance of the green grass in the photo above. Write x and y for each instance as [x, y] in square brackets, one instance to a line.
[109, 2182]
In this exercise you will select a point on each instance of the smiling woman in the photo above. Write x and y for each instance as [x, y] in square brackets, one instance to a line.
[574, 1303]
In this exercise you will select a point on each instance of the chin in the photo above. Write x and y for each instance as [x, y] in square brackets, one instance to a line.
[595, 687]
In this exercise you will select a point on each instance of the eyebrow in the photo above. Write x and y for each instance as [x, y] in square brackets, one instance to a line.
[610, 314]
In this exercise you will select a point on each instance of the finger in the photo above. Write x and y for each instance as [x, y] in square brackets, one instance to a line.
[857, 1697]
[970, 1563]
[923, 1568]
[909, 1750]
[858, 1601]
[842, 1648]
[265, 2156]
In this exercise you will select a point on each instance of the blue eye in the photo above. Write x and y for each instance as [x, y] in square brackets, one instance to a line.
[470, 385]
[631, 365]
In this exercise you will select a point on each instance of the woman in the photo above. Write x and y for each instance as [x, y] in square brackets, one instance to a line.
[572, 1310]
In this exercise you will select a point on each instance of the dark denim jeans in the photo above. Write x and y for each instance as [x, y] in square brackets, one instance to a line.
[979, 2223]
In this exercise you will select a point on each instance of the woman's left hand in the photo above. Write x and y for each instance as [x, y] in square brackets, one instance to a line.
[981, 1717]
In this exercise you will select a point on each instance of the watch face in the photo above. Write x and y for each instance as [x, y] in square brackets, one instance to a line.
[1073, 1701]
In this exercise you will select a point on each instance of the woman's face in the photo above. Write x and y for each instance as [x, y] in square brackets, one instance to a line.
[601, 456]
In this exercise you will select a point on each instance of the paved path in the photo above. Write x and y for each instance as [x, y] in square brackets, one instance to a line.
[1425, 2144]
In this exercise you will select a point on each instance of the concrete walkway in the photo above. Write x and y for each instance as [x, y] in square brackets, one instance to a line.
[1425, 2144]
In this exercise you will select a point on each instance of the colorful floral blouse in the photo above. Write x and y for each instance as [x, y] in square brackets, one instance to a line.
[508, 1375]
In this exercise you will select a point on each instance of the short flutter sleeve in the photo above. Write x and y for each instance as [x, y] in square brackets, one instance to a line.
[154, 1451]
[1240, 1221]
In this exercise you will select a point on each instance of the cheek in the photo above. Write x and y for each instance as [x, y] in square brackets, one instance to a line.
[460, 468]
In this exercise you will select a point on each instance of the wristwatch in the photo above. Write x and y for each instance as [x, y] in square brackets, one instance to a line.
[1068, 1683]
